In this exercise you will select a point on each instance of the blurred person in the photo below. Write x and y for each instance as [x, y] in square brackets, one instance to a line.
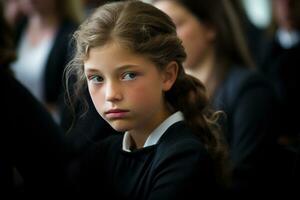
[130, 58]
[32, 148]
[218, 56]
[280, 64]
[43, 48]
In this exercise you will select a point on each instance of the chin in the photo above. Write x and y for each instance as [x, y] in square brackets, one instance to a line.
[119, 127]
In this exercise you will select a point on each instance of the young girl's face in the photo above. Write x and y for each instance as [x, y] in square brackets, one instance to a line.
[126, 88]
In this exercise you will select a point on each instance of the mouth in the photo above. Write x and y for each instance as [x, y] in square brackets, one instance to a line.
[116, 113]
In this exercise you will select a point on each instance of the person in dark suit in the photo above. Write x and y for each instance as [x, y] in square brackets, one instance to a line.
[280, 64]
[130, 58]
[32, 147]
[218, 56]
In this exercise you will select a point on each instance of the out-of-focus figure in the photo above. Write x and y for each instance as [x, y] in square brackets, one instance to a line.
[280, 64]
[43, 48]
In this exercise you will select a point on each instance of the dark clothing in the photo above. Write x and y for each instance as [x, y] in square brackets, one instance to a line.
[250, 126]
[177, 167]
[253, 36]
[31, 144]
[281, 67]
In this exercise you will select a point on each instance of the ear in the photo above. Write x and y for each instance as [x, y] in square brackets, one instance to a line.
[170, 75]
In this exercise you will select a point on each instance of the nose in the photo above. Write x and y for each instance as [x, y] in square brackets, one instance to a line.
[113, 91]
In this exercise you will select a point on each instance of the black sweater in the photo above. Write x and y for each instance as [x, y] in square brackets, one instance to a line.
[176, 167]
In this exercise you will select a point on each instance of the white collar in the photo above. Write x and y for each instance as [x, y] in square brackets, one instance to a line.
[287, 39]
[156, 134]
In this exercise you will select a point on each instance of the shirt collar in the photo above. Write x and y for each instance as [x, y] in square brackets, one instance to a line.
[156, 134]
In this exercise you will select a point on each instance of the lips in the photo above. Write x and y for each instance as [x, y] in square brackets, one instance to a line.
[116, 113]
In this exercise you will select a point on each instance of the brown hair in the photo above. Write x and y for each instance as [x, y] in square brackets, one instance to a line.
[149, 32]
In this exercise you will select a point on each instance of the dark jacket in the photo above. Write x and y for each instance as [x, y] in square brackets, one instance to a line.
[281, 67]
[250, 105]
[32, 147]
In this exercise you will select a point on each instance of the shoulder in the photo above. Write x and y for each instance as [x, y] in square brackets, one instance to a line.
[239, 78]
[179, 133]
[180, 142]
[182, 163]
[242, 82]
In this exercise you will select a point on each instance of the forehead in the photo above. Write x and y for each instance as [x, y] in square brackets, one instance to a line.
[112, 55]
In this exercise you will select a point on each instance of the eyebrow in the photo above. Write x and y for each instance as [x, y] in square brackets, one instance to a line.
[91, 70]
[128, 66]
[118, 68]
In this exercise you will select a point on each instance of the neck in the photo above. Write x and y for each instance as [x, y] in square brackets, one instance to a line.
[140, 135]
[138, 139]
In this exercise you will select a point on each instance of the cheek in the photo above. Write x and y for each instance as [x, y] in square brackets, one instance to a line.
[193, 44]
[198, 46]
[186, 35]
[191, 38]
[146, 95]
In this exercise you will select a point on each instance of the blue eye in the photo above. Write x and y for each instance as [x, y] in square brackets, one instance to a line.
[129, 76]
[96, 79]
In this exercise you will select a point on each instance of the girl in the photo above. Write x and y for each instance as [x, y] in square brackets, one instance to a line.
[129, 55]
